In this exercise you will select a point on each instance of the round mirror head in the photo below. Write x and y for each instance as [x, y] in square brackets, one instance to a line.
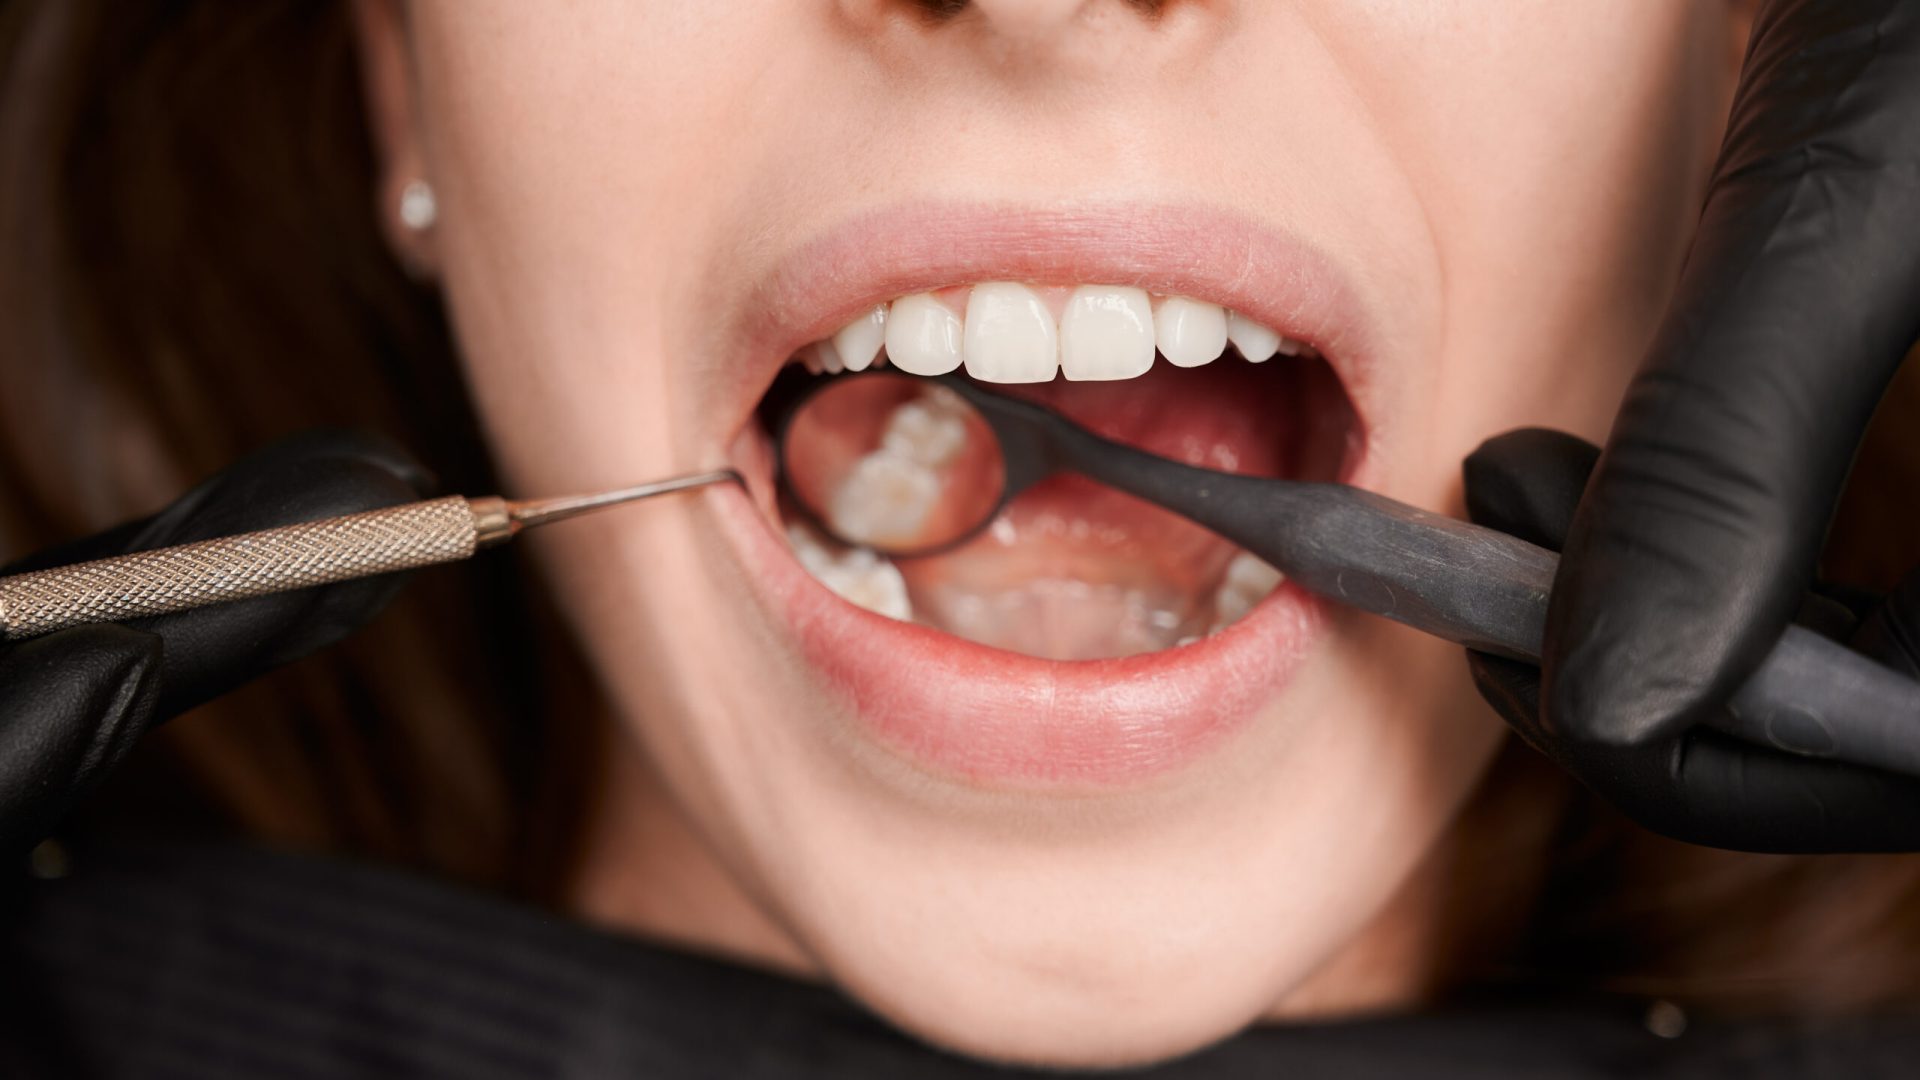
[892, 462]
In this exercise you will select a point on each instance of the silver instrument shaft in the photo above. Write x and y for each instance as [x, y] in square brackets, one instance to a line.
[289, 557]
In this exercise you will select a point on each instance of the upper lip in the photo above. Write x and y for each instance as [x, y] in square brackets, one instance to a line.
[1271, 275]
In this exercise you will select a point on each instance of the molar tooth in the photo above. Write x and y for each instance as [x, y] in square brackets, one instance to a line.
[1190, 332]
[809, 358]
[930, 430]
[858, 575]
[1256, 342]
[923, 336]
[885, 500]
[858, 342]
[1010, 335]
[1106, 334]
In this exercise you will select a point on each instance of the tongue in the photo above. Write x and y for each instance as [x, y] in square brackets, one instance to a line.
[1228, 415]
[1074, 571]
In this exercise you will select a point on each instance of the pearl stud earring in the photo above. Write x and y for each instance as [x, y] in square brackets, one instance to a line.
[418, 208]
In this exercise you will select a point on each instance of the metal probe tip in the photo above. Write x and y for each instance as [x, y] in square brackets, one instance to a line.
[526, 513]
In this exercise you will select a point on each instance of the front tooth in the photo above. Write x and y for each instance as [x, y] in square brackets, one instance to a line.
[1191, 332]
[859, 341]
[923, 336]
[1010, 335]
[1255, 342]
[1106, 334]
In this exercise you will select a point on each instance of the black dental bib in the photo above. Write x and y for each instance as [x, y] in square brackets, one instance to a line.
[221, 962]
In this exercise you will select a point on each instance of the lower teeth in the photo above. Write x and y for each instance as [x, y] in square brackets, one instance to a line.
[857, 575]
[1054, 618]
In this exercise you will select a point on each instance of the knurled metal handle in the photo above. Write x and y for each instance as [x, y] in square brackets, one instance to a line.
[238, 567]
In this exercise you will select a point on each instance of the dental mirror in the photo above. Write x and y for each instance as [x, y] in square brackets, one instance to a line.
[892, 462]
[910, 466]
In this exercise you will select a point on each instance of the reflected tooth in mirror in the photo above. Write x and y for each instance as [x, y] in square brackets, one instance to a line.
[1106, 334]
[1256, 342]
[1010, 336]
[856, 575]
[885, 500]
[859, 341]
[930, 430]
[923, 336]
[1190, 332]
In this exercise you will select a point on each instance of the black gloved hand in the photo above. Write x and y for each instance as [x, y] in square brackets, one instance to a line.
[72, 704]
[1696, 540]
[1694, 783]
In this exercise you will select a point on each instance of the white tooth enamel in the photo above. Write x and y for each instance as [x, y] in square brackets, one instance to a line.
[1106, 334]
[859, 341]
[1010, 335]
[810, 359]
[827, 357]
[929, 430]
[888, 495]
[1290, 347]
[1190, 332]
[885, 501]
[1255, 342]
[923, 335]
[1248, 581]
[857, 575]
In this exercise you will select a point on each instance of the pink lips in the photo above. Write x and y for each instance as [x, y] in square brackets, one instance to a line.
[985, 716]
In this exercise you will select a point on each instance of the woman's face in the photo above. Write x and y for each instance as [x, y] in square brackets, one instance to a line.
[1033, 824]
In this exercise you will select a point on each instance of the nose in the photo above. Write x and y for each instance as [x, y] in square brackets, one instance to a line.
[1021, 24]
[1030, 20]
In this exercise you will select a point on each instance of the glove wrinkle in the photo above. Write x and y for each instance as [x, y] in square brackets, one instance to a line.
[1794, 309]
[71, 706]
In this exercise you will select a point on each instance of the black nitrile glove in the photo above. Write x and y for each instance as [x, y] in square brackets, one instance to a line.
[1696, 541]
[1691, 782]
[73, 703]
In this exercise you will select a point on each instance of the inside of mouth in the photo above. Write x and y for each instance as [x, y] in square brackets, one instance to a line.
[1072, 570]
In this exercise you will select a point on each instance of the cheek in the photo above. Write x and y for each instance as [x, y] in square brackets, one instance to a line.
[580, 179]
[1560, 167]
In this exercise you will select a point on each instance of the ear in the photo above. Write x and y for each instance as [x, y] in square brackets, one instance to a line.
[387, 85]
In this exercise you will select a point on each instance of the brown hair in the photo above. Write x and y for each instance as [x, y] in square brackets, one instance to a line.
[192, 268]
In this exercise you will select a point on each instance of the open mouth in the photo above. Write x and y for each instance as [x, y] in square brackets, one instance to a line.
[1070, 570]
[1085, 640]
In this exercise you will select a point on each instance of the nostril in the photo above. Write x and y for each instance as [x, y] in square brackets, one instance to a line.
[1030, 19]
[1026, 15]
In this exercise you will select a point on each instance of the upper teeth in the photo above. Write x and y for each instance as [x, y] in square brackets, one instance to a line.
[1005, 332]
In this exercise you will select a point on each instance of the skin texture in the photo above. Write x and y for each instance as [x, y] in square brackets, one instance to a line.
[1511, 185]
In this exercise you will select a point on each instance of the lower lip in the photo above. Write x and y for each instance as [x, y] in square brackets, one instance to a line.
[996, 719]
